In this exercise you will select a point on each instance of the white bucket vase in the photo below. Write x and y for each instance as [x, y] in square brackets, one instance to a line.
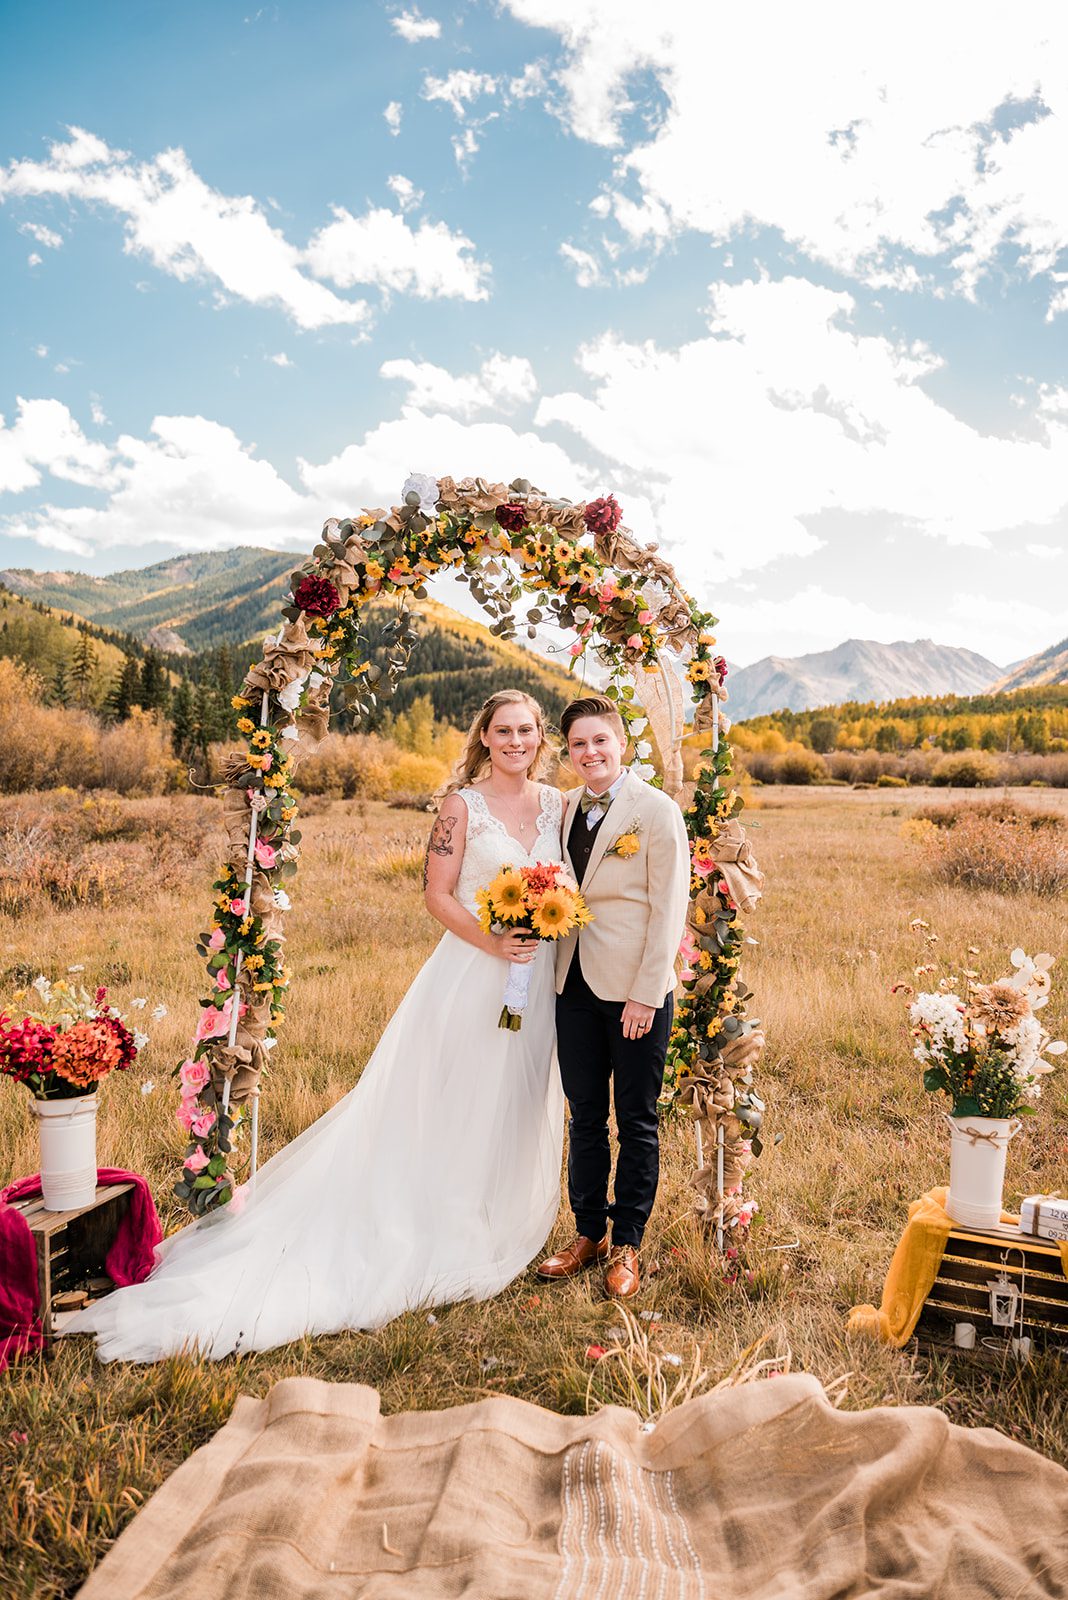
[977, 1168]
[68, 1151]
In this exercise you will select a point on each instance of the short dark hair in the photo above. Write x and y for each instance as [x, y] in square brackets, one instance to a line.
[592, 705]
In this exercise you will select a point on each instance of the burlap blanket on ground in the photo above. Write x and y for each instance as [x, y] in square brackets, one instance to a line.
[761, 1490]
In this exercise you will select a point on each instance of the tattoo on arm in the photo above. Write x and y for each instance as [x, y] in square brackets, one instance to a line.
[440, 842]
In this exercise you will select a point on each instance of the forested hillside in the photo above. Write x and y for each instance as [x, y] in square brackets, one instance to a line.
[75, 662]
[1033, 720]
[215, 598]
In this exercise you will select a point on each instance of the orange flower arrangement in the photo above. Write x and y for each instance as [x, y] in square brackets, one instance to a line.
[87, 1052]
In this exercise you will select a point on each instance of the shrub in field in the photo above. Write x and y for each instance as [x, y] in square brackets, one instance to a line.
[989, 852]
[415, 774]
[42, 746]
[1003, 809]
[887, 780]
[351, 765]
[400, 861]
[62, 849]
[135, 756]
[966, 769]
[798, 765]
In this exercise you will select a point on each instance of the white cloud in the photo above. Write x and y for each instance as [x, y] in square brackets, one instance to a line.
[46, 236]
[281, 359]
[97, 412]
[501, 383]
[1045, 552]
[459, 89]
[193, 485]
[408, 196]
[41, 350]
[193, 232]
[414, 28]
[812, 618]
[393, 114]
[588, 274]
[741, 439]
[818, 618]
[184, 227]
[33, 259]
[371, 473]
[465, 146]
[381, 248]
[863, 149]
[45, 437]
[782, 436]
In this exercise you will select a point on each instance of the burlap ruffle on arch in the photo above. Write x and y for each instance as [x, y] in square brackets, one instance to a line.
[286, 660]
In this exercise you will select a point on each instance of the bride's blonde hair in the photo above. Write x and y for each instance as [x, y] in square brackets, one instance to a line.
[475, 758]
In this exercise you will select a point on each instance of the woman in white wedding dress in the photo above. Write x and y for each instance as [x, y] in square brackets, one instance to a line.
[437, 1178]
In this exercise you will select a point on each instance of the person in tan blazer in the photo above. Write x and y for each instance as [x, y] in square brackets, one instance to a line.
[627, 846]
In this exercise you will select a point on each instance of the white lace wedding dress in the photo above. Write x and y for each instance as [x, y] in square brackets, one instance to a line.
[437, 1178]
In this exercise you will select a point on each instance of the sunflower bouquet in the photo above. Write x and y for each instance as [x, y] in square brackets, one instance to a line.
[540, 901]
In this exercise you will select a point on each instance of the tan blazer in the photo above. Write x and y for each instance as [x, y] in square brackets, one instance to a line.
[638, 902]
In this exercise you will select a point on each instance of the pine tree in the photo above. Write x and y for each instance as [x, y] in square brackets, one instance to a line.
[155, 690]
[183, 722]
[203, 721]
[224, 670]
[82, 668]
[124, 693]
[59, 688]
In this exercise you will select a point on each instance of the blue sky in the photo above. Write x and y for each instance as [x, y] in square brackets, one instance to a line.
[794, 289]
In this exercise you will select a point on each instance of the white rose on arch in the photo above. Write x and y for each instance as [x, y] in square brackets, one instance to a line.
[426, 488]
[289, 697]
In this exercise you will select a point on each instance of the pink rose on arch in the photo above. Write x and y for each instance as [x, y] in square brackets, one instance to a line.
[196, 1162]
[215, 1021]
[186, 1114]
[222, 978]
[703, 865]
[217, 940]
[645, 617]
[203, 1124]
[634, 642]
[265, 854]
[577, 648]
[237, 907]
[193, 1075]
[608, 592]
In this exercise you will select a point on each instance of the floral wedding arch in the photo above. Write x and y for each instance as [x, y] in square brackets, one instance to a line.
[585, 574]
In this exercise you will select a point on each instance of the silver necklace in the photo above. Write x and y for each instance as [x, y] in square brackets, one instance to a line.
[523, 826]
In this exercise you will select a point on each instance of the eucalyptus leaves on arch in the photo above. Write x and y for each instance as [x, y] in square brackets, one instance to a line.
[586, 575]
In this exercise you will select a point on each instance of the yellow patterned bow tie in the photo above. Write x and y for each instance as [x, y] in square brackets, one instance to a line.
[588, 800]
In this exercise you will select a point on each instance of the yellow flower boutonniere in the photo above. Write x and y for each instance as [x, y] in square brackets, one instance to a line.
[628, 844]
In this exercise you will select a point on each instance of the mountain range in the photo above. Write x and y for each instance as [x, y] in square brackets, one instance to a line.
[1048, 666]
[187, 603]
[192, 603]
[858, 669]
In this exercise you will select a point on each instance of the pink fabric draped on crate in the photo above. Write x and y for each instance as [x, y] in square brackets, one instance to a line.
[130, 1259]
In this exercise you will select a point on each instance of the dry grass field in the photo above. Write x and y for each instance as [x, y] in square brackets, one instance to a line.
[82, 1446]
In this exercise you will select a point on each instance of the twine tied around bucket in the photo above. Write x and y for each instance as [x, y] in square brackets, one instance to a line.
[977, 1136]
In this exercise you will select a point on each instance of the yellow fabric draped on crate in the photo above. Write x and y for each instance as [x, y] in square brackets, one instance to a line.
[913, 1271]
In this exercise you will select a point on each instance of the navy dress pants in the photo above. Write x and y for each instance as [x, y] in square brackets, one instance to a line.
[596, 1063]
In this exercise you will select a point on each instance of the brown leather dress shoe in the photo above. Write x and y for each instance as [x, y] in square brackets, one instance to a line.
[621, 1278]
[580, 1254]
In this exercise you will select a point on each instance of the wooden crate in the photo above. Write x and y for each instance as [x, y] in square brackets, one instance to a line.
[971, 1260]
[71, 1245]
